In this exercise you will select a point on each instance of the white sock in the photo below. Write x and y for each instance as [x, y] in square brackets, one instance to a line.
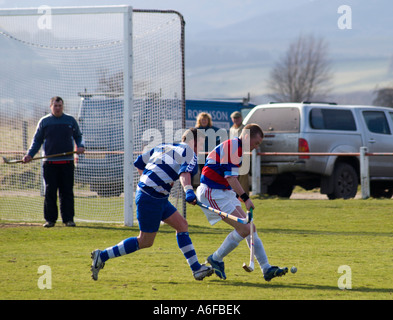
[259, 252]
[230, 243]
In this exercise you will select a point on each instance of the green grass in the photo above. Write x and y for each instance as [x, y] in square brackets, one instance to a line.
[317, 236]
[30, 208]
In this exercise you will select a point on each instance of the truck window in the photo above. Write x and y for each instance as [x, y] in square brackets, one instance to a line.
[376, 122]
[332, 119]
[277, 119]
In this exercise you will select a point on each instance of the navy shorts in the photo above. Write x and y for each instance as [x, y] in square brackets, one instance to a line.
[151, 211]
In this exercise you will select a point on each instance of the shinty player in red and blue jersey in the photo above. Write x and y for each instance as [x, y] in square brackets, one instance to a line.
[224, 161]
[220, 189]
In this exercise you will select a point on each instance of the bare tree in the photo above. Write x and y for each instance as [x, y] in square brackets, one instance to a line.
[384, 97]
[303, 73]
[110, 83]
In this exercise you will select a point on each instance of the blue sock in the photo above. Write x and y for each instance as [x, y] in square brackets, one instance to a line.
[186, 246]
[125, 247]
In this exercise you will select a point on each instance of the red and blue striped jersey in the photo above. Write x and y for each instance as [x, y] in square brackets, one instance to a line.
[224, 161]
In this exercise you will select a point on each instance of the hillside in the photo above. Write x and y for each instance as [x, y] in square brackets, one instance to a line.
[238, 57]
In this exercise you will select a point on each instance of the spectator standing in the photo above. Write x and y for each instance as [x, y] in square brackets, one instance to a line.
[57, 132]
[237, 126]
[235, 131]
[204, 122]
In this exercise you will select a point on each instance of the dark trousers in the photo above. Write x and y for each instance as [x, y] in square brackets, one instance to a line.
[59, 177]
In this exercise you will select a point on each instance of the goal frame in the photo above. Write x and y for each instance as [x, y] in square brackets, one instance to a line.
[126, 47]
[126, 11]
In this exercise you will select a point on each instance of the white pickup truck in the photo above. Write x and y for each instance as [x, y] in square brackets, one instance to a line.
[330, 128]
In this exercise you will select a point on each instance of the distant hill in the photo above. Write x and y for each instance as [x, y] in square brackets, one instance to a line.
[231, 45]
[235, 57]
[372, 23]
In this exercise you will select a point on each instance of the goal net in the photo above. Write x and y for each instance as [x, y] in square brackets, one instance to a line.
[120, 73]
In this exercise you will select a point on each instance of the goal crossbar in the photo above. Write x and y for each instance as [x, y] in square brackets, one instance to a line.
[66, 10]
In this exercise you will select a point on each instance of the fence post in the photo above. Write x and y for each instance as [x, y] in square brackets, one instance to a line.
[364, 173]
[256, 173]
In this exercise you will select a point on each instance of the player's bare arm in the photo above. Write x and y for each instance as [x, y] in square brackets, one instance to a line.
[236, 186]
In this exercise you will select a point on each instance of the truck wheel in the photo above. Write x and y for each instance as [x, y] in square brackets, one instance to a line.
[345, 182]
[282, 187]
[378, 190]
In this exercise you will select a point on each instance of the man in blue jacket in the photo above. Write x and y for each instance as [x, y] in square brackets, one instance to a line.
[57, 132]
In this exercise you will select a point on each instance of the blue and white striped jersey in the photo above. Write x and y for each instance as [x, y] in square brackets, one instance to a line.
[163, 165]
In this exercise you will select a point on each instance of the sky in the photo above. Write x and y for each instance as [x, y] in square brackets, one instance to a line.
[227, 63]
[198, 14]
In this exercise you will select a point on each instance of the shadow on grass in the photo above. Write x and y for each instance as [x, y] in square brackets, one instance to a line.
[300, 286]
[107, 227]
[326, 233]
[208, 230]
[163, 229]
[226, 229]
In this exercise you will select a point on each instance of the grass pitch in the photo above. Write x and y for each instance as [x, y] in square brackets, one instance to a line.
[316, 236]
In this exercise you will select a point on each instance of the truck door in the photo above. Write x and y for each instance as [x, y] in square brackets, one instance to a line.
[379, 139]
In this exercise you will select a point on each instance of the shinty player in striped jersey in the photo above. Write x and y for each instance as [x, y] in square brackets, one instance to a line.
[159, 168]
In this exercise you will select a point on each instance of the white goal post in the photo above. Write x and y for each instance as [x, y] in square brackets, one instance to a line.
[120, 73]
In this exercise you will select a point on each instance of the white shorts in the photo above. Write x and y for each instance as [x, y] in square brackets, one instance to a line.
[220, 199]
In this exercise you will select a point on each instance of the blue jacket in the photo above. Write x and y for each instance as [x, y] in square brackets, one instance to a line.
[57, 135]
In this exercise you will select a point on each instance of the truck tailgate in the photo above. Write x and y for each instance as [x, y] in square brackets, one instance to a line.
[280, 142]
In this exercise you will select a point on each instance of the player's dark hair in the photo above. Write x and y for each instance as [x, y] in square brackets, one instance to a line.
[193, 134]
[253, 130]
[56, 99]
